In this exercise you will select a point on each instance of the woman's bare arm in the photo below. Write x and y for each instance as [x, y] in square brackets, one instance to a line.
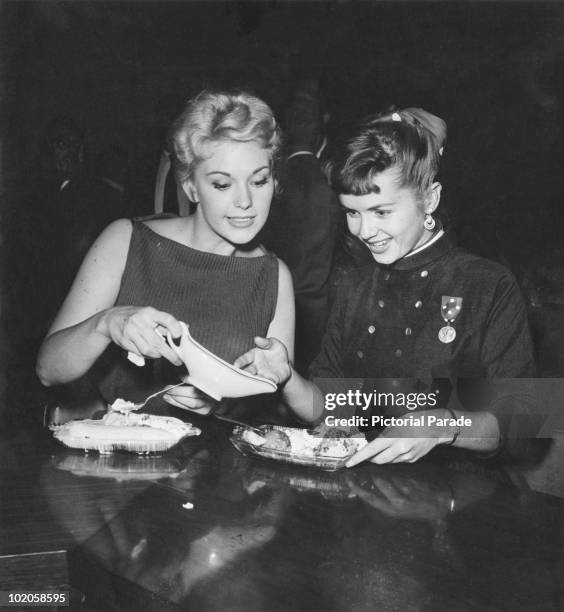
[272, 357]
[88, 321]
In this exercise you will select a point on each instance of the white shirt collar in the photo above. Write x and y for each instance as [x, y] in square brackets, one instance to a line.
[427, 244]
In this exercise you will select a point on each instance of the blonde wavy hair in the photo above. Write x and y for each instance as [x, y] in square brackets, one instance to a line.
[220, 116]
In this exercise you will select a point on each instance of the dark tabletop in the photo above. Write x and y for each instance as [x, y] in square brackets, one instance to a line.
[451, 532]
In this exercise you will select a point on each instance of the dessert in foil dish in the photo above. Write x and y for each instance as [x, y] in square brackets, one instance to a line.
[122, 429]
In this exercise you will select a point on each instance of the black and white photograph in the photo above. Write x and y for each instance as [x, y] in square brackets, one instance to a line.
[281, 305]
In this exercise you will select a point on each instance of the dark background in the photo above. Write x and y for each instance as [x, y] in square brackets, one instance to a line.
[122, 70]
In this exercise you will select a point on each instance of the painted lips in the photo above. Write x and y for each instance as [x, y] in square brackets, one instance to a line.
[241, 222]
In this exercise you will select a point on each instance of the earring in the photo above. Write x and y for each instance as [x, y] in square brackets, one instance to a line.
[429, 223]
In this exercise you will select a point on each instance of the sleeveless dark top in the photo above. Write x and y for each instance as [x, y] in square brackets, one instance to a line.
[225, 300]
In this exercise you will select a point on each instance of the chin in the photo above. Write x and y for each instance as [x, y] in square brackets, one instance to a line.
[385, 259]
[243, 238]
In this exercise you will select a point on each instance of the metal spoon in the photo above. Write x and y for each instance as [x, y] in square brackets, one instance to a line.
[150, 397]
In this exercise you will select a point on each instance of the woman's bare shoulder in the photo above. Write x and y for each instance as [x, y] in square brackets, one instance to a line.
[285, 279]
[114, 238]
[283, 269]
[119, 228]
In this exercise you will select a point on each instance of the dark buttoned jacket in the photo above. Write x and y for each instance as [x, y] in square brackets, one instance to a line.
[386, 320]
[384, 327]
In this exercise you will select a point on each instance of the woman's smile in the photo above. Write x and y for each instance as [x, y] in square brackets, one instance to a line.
[378, 246]
[240, 221]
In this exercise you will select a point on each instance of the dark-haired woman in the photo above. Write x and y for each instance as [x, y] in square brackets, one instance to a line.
[425, 317]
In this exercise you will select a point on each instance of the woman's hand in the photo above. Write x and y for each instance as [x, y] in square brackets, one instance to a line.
[190, 398]
[389, 449]
[140, 330]
[402, 444]
[269, 359]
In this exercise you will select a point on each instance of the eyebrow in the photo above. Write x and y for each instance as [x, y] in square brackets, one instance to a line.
[229, 175]
[372, 208]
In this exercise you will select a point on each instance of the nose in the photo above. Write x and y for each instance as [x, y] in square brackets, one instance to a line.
[367, 229]
[244, 199]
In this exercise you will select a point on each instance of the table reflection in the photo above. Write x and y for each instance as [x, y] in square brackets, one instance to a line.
[449, 532]
[118, 466]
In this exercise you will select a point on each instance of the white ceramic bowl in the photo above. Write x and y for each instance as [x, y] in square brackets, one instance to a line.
[213, 375]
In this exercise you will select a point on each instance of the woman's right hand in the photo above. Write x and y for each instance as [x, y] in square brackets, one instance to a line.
[269, 359]
[141, 331]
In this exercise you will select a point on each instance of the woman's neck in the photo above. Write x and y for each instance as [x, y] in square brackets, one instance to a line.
[199, 235]
[429, 239]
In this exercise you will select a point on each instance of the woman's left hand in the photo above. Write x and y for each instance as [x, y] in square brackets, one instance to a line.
[269, 359]
[405, 444]
[190, 398]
